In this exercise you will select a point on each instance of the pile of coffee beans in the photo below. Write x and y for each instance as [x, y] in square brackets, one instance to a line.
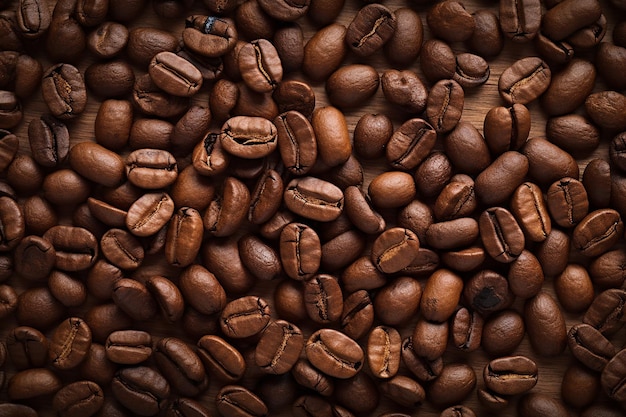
[199, 218]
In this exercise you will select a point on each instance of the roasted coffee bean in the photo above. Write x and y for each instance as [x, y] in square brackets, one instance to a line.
[220, 358]
[128, 347]
[511, 375]
[80, 397]
[34, 258]
[467, 149]
[32, 383]
[8, 298]
[487, 291]
[404, 391]
[579, 14]
[487, 39]
[96, 163]
[48, 312]
[506, 128]
[452, 234]
[580, 386]
[560, 98]
[352, 85]
[360, 212]
[445, 105]
[590, 346]
[605, 108]
[524, 81]
[520, 21]
[574, 133]
[289, 43]
[450, 21]
[64, 92]
[33, 18]
[466, 328]
[430, 339]
[279, 347]
[65, 186]
[548, 162]
[181, 366]
[9, 145]
[334, 353]
[383, 351]
[405, 291]
[471, 70]
[122, 249]
[27, 347]
[358, 314]
[184, 237]
[410, 144]
[392, 189]
[553, 52]
[606, 311]
[567, 202]
[113, 124]
[69, 343]
[438, 61]
[309, 377]
[553, 253]
[110, 79]
[221, 256]
[145, 42]
[597, 232]
[530, 210]
[294, 95]
[502, 333]
[394, 249]
[296, 141]
[49, 141]
[372, 26]
[500, 179]
[325, 51]
[249, 137]
[108, 39]
[76, 248]
[244, 317]
[17, 409]
[149, 214]
[525, 275]
[209, 36]
[545, 325]
[151, 168]
[300, 251]
[441, 295]
[405, 44]
[612, 377]
[260, 65]
[141, 389]
[606, 270]
[134, 299]
[323, 298]
[175, 74]
[491, 401]
[259, 257]
[201, 289]
[501, 234]
[333, 139]
[463, 260]
[404, 89]
[453, 385]
[11, 113]
[237, 401]
[314, 198]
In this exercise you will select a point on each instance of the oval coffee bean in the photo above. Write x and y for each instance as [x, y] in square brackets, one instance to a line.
[410, 144]
[237, 401]
[98, 164]
[174, 74]
[441, 295]
[32, 383]
[383, 351]
[371, 27]
[249, 137]
[524, 81]
[300, 251]
[149, 214]
[141, 389]
[64, 92]
[334, 353]
[501, 234]
[612, 378]
[49, 141]
[545, 325]
[500, 179]
[352, 85]
[128, 347]
[590, 346]
[244, 317]
[511, 375]
[606, 312]
[220, 358]
[296, 141]
[444, 106]
[76, 248]
[598, 232]
[260, 65]
[530, 210]
[323, 298]
[520, 21]
[314, 199]
[70, 343]
[394, 249]
[279, 347]
[536, 404]
[80, 397]
[181, 366]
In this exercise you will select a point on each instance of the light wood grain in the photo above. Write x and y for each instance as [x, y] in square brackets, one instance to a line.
[477, 103]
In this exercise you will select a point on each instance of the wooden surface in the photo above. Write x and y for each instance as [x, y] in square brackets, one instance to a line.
[478, 102]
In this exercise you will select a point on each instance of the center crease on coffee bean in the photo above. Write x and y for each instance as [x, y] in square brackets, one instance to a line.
[612, 230]
[66, 348]
[379, 22]
[444, 106]
[261, 66]
[536, 72]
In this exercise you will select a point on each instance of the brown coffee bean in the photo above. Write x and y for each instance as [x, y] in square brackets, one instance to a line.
[606, 109]
[18, 409]
[249, 137]
[506, 128]
[466, 328]
[244, 317]
[520, 22]
[405, 44]
[392, 189]
[574, 133]
[450, 21]
[63, 90]
[76, 248]
[441, 295]
[323, 298]
[97, 163]
[325, 51]
[134, 299]
[487, 39]
[333, 139]
[175, 74]
[394, 249]
[445, 105]
[524, 81]
[530, 209]
[471, 70]
[424, 369]
[410, 144]
[128, 347]
[580, 386]
[560, 98]
[557, 26]
[567, 202]
[152, 101]
[309, 377]
[110, 79]
[237, 401]
[433, 174]
[606, 270]
[404, 89]
[32, 383]
[220, 358]
[501, 234]
[545, 325]
[296, 141]
[352, 85]
[141, 389]
[606, 311]
[314, 198]
[467, 149]
[80, 397]
[525, 275]
[27, 347]
[404, 391]
[334, 353]
[502, 333]
[548, 162]
[279, 347]
[430, 339]
[438, 60]
[405, 291]
[34, 258]
[228, 210]
[221, 256]
[553, 253]
[48, 312]
[108, 39]
[358, 314]
[511, 375]
[294, 95]
[33, 19]
[113, 124]
[590, 346]
[383, 351]
[122, 249]
[300, 251]
[69, 343]
[49, 141]
[181, 366]
[612, 377]
[97, 367]
[9, 145]
[464, 260]
[372, 26]
[553, 52]
[260, 65]
[597, 232]
[289, 43]
[455, 382]
[149, 214]
[452, 234]
[487, 291]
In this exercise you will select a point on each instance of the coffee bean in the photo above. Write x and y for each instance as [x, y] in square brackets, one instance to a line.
[439, 61]
[279, 347]
[597, 232]
[64, 92]
[69, 343]
[372, 26]
[511, 375]
[152, 101]
[590, 346]
[540, 405]
[27, 347]
[244, 316]
[487, 39]
[323, 298]
[128, 347]
[454, 384]
[524, 81]
[181, 366]
[175, 74]
[545, 325]
[445, 105]
[221, 358]
[604, 114]
[502, 333]
[394, 249]
[521, 21]
[237, 401]
[487, 292]
[49, 141]
[32, 383]
[410, 144]
[325, 51]
[450, 21]
[334, 353]
[221, 256]
[314, 198]
[81, 397]
[383, 351]
[579, 14]
[149, 214]
[613, 375]
[134, 299]
[501, 234]
[141, 389]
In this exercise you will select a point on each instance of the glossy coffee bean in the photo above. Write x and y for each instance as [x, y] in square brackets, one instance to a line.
[279, 347]
[244, 316]
[525, 80]
[64, 92]
[334, 353]
[520, 22]
[69, 344]
[141, 389]
[511, 375]
[371, 27]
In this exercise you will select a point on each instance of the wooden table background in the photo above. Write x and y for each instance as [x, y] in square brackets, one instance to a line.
[477, 102]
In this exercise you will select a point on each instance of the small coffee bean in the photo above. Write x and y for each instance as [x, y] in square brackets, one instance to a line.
[152, 101]
[128, 347]
[372, 26]
[487, 39]
[524, 81]
[560, 98]
[404, 391]
[260, 65]
[405, 44]
[553, 52]
[404, 89]
[597, 232]
[590, 346]
[394, 249]
[300, 251]
[471, 70]
[606, 270]
[108, 39]
[49, 141]
[34, 258]
[27, 347]
[606, 311]
[511, 375]
[407, 292]
[501, 234]
[149, 214]
[574, 133]
[506, 128]
[181, 366]
[445, 105]
[175, 74]
[352, 85]
[612, 378]
[487, 291]
[466, 328]
[567, 202]
[545, 325]
[605, 109]
[455, 382]
[325, 51]
[579, 14]
[450, 21]
[502, 333]
[334, 353]
[438, 60]
[334, 146]
[220, 358]
[76, 248]
[314, 198]
[32, 383]
[80, 397]
[249, 137]
[525, 275]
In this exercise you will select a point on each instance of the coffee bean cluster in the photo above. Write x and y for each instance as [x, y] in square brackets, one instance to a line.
[215, 250]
